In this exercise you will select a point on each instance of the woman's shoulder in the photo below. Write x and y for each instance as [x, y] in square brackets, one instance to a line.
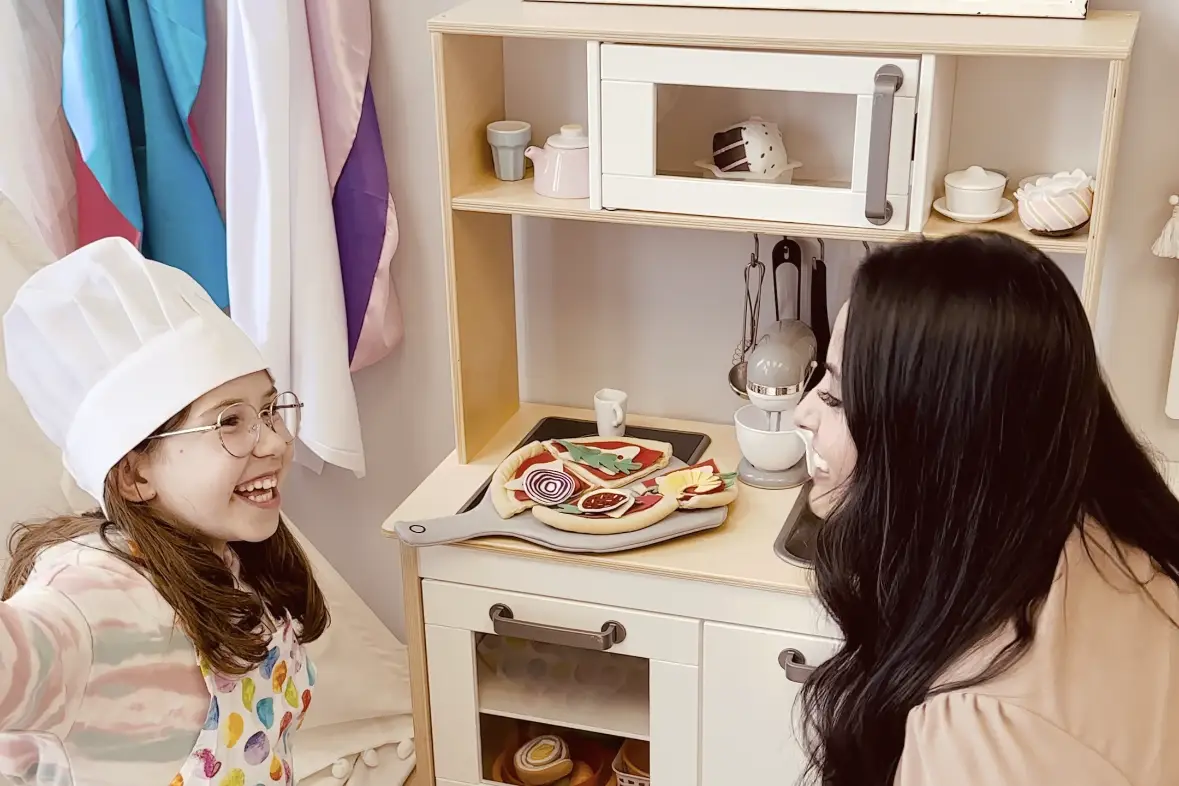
[976, 739]
[1097, 682]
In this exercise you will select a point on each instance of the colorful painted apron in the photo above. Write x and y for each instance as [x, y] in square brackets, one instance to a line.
[246, 737]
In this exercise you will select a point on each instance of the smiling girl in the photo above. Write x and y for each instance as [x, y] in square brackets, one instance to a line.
[159, 640]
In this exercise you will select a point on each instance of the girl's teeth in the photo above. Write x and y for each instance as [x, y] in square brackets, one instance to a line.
[262, 496]
[257, 484]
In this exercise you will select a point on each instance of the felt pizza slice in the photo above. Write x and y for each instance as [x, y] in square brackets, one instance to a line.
[696, 487]
[607, 511]
[532, 476]
[610, 462]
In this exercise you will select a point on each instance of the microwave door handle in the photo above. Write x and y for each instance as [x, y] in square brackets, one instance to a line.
[877, 208]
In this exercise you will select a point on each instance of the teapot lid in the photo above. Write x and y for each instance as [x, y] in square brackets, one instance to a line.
[975, 178]
[572, 137]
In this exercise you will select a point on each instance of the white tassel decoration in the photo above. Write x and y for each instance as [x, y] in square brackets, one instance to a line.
[1168, 243]
[341, 769]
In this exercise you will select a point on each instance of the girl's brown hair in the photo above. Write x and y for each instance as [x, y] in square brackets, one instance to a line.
[224, 620]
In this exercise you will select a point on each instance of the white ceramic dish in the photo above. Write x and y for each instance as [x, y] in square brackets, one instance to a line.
[974, 191]
[772, 451]
[784, 177]
[1005, 208]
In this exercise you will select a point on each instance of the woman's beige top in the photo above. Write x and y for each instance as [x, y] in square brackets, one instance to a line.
[1094, 701]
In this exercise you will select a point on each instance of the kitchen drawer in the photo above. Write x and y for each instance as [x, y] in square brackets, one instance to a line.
[751, 728]
[650, 636]
[854, 117]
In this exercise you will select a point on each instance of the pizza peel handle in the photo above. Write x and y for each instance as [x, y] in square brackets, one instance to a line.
[436, 532]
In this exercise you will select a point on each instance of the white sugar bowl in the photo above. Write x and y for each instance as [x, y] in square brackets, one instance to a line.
[1057, 204]
[975, 191]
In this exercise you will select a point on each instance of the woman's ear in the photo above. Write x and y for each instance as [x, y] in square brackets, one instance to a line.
[133, 486]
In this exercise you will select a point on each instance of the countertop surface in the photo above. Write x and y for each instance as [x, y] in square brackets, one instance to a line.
[740, 552]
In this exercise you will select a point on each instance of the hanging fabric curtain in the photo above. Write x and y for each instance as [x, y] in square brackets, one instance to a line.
[285, 280]
[35, 142]
[366, 222]
[130, 73]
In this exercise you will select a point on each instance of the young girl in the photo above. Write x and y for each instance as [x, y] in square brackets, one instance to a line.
[160, 640]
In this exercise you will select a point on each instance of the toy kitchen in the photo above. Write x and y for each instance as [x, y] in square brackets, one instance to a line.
[596, 596]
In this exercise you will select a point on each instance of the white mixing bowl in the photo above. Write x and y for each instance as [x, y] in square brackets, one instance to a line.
[772, 451]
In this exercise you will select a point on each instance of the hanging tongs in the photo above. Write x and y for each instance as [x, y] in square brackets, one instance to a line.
[820, 322]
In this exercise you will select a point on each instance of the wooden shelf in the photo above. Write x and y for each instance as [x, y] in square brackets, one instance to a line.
[1105, 35]
[623, 714]
[940, 226]
[519, 198]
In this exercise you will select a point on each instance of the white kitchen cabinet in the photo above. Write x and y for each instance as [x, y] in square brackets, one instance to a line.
[751, 721]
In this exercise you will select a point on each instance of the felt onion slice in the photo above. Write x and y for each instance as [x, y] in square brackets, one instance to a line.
[548, 486]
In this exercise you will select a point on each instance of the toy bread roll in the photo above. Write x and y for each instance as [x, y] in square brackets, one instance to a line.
[543, 760]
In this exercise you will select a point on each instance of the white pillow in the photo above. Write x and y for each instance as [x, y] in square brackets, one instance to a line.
[361, 699]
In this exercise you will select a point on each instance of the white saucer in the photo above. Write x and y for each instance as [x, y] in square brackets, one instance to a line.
[1005, 207]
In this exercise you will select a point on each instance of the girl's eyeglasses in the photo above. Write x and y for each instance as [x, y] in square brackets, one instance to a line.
[240, 425]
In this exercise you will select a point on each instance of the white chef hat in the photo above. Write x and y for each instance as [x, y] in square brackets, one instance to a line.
[105, 346]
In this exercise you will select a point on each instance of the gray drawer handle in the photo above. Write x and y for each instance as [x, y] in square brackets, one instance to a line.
[793, 663]
[877, 208]
[505, 624]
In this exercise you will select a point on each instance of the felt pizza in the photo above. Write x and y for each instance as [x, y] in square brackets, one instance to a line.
[601, 511]
[610, 462]
[696, 487]
[532, 476]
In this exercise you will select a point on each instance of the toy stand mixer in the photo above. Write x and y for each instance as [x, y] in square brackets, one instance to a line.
[776, 453]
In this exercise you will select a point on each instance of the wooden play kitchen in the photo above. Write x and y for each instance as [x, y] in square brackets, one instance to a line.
[683, 658]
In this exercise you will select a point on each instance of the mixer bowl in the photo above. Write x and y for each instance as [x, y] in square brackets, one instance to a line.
[772, 451]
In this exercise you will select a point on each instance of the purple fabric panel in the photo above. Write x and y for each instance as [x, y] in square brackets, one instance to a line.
[360, 204]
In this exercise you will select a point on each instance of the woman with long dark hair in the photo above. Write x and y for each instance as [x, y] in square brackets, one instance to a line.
[1000, 552]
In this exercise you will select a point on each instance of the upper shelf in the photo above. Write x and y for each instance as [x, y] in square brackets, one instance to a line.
[519, 198]
[1104, 35]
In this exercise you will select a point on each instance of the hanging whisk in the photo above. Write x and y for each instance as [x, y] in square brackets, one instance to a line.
[1168, 243]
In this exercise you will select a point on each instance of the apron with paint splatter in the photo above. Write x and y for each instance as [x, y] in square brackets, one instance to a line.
[246, 737]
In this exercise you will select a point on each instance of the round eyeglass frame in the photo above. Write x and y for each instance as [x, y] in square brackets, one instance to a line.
[283, 403]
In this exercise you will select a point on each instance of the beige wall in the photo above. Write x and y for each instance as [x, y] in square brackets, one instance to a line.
[674, 362]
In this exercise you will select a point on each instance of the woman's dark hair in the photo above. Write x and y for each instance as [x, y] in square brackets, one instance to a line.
[224, 620]
[985, 436]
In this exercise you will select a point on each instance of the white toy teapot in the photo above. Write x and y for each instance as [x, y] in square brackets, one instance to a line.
[562, 166]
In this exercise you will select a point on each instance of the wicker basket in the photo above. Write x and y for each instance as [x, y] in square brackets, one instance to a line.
[622, 772]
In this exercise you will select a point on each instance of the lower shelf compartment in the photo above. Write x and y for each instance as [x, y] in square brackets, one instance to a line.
[595, 757]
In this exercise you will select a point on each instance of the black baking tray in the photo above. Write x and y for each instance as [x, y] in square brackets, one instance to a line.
[687, 446]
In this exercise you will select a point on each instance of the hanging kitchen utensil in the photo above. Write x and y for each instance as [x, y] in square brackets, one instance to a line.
[755, 274]
[820, 323]
[786, 252]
